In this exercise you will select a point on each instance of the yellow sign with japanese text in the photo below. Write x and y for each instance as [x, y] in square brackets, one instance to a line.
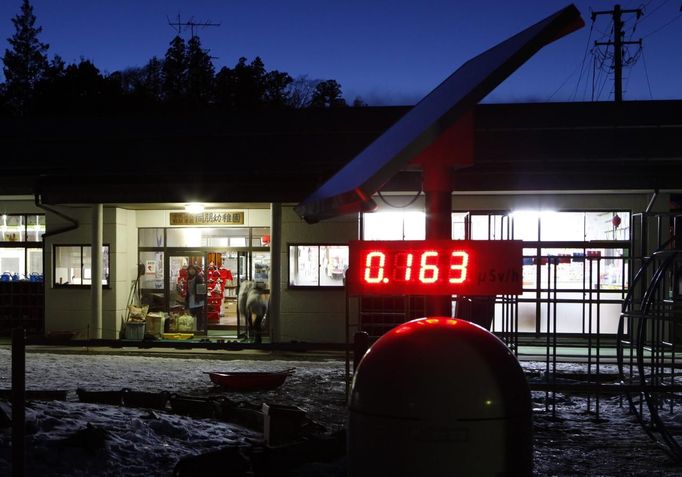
[230, 217]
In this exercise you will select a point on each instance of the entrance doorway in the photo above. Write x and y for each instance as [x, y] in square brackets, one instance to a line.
[229, 269]
[225, 257]
[223, 272]
[178, 292]
[226, 269]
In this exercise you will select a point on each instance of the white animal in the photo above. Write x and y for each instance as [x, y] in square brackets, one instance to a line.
[253, 299]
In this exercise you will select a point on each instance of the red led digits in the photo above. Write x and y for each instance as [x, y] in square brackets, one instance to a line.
[374, 267]
[459, 261]
[403, 266]
[428, 272]
[381, 265]
[435, 267]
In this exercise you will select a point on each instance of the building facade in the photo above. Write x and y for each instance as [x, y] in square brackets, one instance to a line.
[570, 180]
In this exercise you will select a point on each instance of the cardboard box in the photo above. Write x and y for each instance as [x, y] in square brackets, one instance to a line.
[230, 308]
[154, 324]
[281, 423]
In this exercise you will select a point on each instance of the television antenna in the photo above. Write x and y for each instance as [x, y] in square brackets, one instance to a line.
[179, 26]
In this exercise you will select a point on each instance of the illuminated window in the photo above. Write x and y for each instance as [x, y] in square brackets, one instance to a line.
[73, 265]
[317, 265]
[21, 253]
[214, 237]
[150, 237]
[551, 226]
[394, 226]
[22, 227]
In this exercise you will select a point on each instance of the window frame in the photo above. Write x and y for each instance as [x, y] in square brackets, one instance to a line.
[613, 245]
[67, 285]
[319, 246]
[25, 225]
[26, 244]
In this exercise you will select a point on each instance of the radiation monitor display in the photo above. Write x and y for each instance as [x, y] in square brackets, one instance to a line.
[435, 267]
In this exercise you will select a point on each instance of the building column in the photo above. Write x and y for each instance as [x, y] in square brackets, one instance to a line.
[275, 270]
[96, 276]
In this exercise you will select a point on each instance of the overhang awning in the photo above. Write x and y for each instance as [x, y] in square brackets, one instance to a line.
[351, 188]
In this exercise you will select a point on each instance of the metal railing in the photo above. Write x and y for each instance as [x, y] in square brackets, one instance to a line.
[643, 348]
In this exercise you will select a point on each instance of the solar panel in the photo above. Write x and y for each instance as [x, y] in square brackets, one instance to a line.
[351, 188]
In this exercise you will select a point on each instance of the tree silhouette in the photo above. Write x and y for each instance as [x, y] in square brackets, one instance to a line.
[300, 92]
[146, 84]
[241, 87]
[200, 73]
[152, 79]
[276, 89]
[249, 86]
[140, 87]
[57, 68]
[175, 71]
[358, 102]
[327, 94]
[76, 89]
[25, 63]
[185, 79]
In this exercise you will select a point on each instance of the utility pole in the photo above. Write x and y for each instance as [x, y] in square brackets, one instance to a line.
[618, 44]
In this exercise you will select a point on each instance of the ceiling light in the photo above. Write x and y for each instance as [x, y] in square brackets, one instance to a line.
[194, 208]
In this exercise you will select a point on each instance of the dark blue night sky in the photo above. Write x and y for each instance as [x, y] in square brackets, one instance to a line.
[386, 52]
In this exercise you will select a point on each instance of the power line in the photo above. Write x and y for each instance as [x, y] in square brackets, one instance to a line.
[650, 14]
[594, 70]
[594, 60]
[646, 73]
[582, 64]
[601, 88]
[599, 80]
[663, 26]
[564, 83]
[637, 21]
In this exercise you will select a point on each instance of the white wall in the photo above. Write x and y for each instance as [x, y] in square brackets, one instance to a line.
[122, 228]
[66, 309]
[305, 315]
[19, 205]
[316, 316]
[69, 309]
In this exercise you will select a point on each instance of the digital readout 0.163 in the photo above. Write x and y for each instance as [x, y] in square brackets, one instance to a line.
[435, 267]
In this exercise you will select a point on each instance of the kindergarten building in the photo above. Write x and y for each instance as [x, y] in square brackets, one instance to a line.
[99, 213]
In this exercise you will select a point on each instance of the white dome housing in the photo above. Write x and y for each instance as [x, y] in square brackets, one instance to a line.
[439, 396]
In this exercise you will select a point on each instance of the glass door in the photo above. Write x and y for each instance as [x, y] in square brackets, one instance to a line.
[260, 265]
[184, 316]
[226, 270]
[229, 275]
[241, 260]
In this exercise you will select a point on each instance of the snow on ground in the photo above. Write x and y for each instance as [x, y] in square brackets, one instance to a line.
[137, 442]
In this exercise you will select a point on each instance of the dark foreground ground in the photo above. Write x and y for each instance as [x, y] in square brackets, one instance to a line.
[72, 438]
